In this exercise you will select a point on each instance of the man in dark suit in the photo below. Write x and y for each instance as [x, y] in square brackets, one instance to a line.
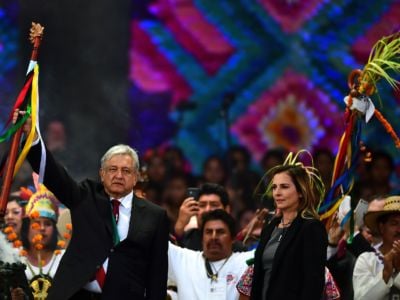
[109, 257]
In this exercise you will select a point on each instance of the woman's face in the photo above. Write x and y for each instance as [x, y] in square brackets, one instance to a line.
[45, 228]
[284, 192]
[13, 217]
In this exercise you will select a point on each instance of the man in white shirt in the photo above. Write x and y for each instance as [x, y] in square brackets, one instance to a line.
[214, 272]
[376, 274]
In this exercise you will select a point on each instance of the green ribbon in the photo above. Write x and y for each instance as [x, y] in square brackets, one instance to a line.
[116, 238]
[13, 129]
[351, 234]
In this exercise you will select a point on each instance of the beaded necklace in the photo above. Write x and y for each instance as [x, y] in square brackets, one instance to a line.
[211, 271]
[378, 255]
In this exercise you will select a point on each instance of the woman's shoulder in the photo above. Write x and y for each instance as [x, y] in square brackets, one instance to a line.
[312, 224]
[311, 221]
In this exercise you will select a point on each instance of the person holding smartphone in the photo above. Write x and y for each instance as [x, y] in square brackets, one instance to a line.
[210, 196]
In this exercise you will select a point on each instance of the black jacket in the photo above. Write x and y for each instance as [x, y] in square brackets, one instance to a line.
[298, 270]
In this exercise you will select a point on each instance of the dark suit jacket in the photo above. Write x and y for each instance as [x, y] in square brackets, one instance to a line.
[137, 266]
[359, 245]
[298, 270]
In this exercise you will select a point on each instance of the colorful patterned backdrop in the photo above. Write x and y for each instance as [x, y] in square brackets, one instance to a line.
[275, 71]
[283, 63]
[8, 53]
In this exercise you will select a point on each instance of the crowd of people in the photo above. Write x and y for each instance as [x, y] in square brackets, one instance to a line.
[241, 232]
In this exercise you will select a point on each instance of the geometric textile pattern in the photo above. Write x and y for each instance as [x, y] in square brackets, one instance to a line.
[289, 116]
[8, 53]
[205, 74]
[275, 72]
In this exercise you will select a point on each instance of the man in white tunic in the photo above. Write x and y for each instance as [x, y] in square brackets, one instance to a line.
[214, 272]
[376, 274]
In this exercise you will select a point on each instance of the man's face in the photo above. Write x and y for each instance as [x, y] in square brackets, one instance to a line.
[119, 175]
[217, 240]
[208, 203]
[390, 230]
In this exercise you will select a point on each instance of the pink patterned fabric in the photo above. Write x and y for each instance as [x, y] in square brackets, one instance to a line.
[244, 284]
[331, 291]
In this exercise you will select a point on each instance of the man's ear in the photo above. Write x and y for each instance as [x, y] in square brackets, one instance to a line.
[228, 209]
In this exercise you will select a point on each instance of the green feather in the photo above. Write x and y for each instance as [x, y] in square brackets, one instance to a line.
[384, 58]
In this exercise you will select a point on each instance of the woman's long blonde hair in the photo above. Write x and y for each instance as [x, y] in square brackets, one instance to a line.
[307, 180]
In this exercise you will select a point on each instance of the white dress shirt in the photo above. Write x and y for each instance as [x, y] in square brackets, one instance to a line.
[123, 226]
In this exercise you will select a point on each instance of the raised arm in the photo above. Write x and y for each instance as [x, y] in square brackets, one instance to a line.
[56, 178]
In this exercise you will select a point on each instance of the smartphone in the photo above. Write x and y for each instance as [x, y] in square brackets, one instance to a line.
[359, 212]
[193, 192]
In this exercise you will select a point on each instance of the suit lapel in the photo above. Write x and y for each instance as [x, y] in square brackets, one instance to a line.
[104, 208]
[134, 223]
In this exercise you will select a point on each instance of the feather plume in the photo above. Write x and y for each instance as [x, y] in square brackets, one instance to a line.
[383, 60]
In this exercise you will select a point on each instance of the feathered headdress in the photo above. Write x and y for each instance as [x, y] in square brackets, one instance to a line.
[43, 203]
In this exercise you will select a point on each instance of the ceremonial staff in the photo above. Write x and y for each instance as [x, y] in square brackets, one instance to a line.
[383, 63]
[35, 36]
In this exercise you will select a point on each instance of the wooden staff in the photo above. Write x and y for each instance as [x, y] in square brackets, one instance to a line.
[35, 36]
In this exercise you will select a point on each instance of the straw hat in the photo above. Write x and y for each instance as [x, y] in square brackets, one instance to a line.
[392, 205]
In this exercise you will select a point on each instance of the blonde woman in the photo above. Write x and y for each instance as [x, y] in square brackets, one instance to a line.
[290, 258]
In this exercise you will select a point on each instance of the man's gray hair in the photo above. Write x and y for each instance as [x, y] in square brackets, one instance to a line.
[121, 149]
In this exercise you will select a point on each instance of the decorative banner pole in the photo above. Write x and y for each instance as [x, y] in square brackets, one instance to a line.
[383, 61]
[35, 36]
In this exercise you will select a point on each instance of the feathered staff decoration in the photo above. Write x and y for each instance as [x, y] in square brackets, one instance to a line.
[383, 61]
[31, 105]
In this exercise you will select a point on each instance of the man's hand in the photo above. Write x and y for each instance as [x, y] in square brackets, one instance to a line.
[391, 261]
[335, 232]
[396, 255]
[188, 209]
[255, 225]
[28, 124]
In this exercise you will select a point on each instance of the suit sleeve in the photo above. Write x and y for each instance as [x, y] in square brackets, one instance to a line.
[158, 274]
[315, 246]
[56, 178]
